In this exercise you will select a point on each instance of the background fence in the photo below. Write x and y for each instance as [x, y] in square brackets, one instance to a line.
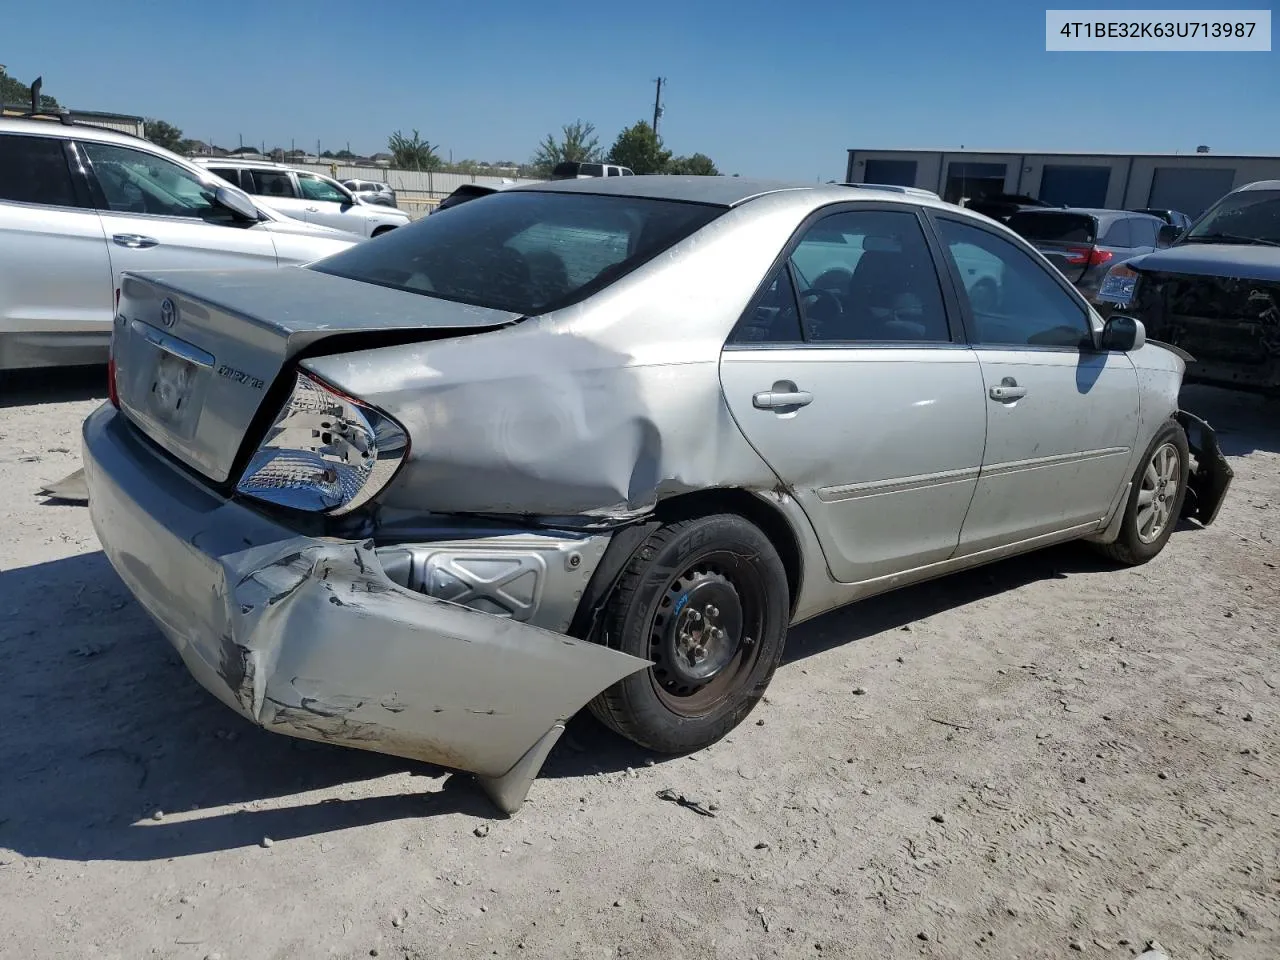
[417, 191]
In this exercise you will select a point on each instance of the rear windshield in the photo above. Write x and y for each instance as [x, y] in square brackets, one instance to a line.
[1247, 216]
[1054, 227]
[524, 251]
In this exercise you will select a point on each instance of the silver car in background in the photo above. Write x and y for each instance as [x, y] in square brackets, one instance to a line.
[372, 191]
[80, 205]
[601, 441]
[307, 196]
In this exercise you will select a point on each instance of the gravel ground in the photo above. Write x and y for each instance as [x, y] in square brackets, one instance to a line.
[1043, 758]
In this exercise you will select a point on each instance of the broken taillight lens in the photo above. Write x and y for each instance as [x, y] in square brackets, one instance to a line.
[1092, 256]
[325, 452]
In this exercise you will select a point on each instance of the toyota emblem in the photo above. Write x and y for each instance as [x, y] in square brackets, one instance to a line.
[168, 313]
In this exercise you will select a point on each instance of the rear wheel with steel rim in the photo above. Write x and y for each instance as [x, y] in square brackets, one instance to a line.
[1155, 498]
[706, 600]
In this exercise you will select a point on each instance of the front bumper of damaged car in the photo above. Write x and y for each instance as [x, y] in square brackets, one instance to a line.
[310, 637]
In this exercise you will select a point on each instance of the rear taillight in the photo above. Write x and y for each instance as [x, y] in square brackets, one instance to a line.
[1088, 255]
[112, 395]
[326, 452]
[111, 383]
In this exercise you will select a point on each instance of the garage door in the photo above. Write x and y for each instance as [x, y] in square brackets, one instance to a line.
[899, 173]
[1189, 189]
[1075, 185]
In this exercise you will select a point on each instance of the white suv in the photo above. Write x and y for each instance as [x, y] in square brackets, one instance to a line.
[80, 205]
[307, 196]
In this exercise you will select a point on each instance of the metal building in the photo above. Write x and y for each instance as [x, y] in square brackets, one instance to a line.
[1189, 182]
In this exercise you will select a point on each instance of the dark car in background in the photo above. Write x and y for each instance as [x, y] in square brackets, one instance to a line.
[1215, 293]
[1001, 206]
[1084, 243]
[1175, 218]
[469, 191]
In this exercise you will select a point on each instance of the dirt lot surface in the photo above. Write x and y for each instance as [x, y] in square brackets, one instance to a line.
[1044, 758]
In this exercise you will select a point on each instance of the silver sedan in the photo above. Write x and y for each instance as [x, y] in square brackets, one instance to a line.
[601, 442]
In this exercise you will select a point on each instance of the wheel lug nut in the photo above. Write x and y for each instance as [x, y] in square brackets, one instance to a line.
[712, 612]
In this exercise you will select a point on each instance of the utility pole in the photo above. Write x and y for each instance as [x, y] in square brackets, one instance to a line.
[657, 103]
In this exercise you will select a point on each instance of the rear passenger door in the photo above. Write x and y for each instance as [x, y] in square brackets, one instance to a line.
[1061, 416]
[55, 277]
[846, 376]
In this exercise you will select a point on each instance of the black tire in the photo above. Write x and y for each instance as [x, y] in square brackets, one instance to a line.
[675, 586]
[1131, 549]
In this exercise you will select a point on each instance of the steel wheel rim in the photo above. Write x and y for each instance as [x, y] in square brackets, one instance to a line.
[683, 691]
[1157, 493]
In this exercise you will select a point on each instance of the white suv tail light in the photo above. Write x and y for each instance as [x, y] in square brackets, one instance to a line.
[325, 452]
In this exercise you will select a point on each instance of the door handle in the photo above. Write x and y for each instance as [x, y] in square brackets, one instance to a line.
[313, 209]
[773, 399]
[1007, 391]
[134, 241]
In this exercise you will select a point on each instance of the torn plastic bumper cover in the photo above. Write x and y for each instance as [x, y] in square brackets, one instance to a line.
[310, 638]
[1210, 476]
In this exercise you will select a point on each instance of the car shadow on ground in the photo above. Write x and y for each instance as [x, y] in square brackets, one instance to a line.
[24, 388]
[1244, 422]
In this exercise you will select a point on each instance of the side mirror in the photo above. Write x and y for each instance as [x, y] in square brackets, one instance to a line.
[237, 202]
[1123, 333]
[1167, 235]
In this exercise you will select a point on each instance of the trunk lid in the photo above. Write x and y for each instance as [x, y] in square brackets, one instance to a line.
[1067, 240]
[197, 353]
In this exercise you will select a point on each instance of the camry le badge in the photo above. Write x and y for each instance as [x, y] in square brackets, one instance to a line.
[168, 313]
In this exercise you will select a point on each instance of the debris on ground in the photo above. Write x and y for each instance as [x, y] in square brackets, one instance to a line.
[688, 802]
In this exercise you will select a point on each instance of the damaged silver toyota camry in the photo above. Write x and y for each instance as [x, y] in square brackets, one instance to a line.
[603, 441]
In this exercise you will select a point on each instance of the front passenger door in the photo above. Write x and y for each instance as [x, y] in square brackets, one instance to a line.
[1061, 416]
[327, 205]
[158, 215]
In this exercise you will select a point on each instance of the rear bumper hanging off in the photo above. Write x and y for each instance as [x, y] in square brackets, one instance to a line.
[1210, 475]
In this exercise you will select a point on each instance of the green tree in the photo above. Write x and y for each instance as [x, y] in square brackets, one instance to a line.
[164, 135]
[640, 148]
[412, 153]
[347, 154]
[328, 155]
[698, 165]
[15, 93]
[577, 143]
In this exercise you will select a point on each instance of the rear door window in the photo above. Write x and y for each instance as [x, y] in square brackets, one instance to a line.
[526, 252]
[230, 174]
[1054, 227]
[1143, 231]
[34, 170]
[1118, 234]
[272, 183]
[868, 276]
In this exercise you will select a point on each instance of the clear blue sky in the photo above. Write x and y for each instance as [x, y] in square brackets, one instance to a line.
[766, 89]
